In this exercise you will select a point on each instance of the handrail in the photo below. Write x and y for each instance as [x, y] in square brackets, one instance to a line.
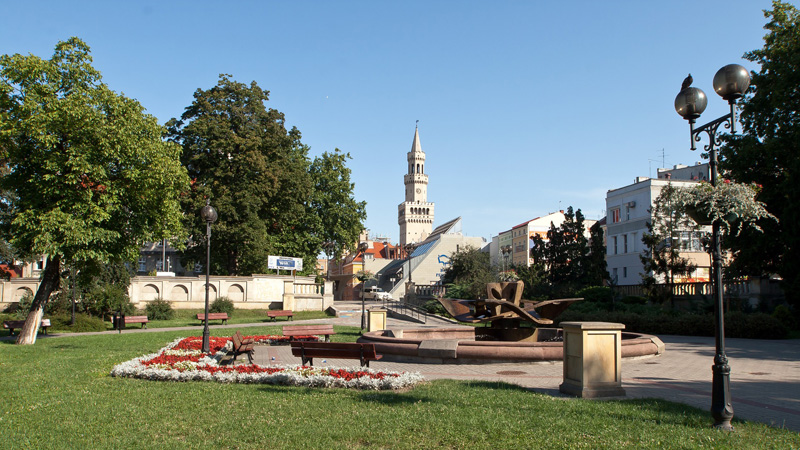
[406, 309]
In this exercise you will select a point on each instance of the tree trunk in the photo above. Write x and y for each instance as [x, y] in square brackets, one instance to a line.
[50, 282]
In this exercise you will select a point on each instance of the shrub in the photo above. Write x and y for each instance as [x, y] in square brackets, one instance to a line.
[434, 307]
[159, 309]
[103, 300]
[83, 323]
[222, 305]
[784, 314]
[596, 294]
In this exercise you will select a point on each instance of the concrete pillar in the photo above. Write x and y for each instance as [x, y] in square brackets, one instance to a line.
[592, 359]
[288, 295]
[376, 319]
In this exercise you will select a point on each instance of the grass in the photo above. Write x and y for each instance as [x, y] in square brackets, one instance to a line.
[58, 394]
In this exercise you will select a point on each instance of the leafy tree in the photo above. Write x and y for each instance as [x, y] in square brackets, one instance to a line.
[270, 198]
[767, 153]
[662, 258]
[468, 273]
[341, 216]
[92, 177]
[565, 255]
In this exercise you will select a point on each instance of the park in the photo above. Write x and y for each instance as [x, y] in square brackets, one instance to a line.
[537, 346]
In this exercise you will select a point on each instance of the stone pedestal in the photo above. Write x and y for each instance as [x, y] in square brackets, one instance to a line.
[592, 359]
[376, 319]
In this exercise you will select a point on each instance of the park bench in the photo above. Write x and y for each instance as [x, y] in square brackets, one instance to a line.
[213, 316]
[299, 331]
[11, 325]
[242, 346]
[280, 313]
[307, 351]
[136, 319]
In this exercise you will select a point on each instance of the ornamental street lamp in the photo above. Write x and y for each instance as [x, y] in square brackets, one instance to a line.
[506, 250]
[730, 82]
[209, 214]
[362, 247]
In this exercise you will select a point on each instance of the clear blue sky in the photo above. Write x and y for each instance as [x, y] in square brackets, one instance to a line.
[524, 107]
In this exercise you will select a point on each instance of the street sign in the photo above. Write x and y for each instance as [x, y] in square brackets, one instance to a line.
[284, 263]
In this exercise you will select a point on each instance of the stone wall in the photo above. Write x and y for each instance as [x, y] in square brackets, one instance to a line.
[254, 292]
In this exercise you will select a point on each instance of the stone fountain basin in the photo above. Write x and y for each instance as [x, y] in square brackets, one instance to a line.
[457, 345]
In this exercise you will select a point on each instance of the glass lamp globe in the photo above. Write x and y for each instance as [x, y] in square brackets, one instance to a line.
[691, 102]
[731, 81]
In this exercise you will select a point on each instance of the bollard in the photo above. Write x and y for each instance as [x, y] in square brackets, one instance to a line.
[592, 359]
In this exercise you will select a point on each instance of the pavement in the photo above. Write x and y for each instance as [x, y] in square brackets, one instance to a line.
[764, 381]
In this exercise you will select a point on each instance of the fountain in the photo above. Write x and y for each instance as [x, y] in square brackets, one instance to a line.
[512, 332]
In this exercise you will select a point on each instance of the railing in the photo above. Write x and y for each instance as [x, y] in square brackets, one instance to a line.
[702, 289]
[406, 309]
[309, 289]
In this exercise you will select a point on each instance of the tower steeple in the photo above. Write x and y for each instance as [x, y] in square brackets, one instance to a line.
[415, 215]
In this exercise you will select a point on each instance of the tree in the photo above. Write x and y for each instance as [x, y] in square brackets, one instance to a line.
[341, 216]
[596, 266]
[565, 254]
[662, 258]
[767, 152]
[468, 273]
[92, 177]
[239, 155]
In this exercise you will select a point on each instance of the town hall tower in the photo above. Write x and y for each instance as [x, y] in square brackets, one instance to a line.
[415, 215]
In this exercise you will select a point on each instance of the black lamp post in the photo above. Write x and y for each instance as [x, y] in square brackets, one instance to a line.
[362, 247]
[209, 214]
[730, 83]
[506, 250]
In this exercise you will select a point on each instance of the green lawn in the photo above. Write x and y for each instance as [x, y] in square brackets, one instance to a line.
[57, 394]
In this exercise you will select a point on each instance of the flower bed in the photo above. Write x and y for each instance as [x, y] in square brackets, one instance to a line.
[182, 360]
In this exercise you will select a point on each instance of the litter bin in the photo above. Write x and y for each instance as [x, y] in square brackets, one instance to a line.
[377, 319]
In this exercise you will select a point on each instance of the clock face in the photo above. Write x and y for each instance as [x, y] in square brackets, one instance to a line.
[419, 191]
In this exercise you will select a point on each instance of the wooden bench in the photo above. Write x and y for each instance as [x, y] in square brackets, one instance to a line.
[242, 346]
[308, 330]
[307, 351]
[213, 316]
[136, 319]
[11, 325]
[280, 313]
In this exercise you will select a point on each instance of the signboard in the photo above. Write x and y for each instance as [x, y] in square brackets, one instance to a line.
[284, 263]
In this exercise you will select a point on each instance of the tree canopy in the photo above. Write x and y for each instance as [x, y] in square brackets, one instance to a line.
[270, 198]
[767, 152]
[91, 176]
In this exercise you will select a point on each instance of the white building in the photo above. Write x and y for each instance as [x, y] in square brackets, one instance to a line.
[628, 212]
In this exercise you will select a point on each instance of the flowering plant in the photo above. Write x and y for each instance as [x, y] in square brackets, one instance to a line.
[364, 275]
[733, 205]
[182, 360]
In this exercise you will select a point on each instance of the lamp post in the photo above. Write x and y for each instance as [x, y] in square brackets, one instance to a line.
[730, 82]
[506, 250]
[362, 247]
[209, 214]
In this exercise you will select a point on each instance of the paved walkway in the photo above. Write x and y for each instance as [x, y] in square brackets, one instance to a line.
[765, 375]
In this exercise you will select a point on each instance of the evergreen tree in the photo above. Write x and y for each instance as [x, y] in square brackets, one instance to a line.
[596, 265]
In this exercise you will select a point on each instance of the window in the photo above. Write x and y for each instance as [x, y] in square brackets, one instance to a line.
[615, 245]
[625, 243]
[142, 264]
[615, 275]
[624, 272]
[615, 215]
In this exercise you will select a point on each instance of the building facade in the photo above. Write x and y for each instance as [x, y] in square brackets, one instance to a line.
[628, 212]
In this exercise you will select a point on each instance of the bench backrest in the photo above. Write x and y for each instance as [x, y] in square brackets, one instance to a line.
[237, 341]
[367, 350]
[280, 312]
[20, 323]
[294, 330]
[132, 318]
[212, 316]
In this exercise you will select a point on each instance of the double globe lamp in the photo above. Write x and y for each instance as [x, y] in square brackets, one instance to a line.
[730, 82]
